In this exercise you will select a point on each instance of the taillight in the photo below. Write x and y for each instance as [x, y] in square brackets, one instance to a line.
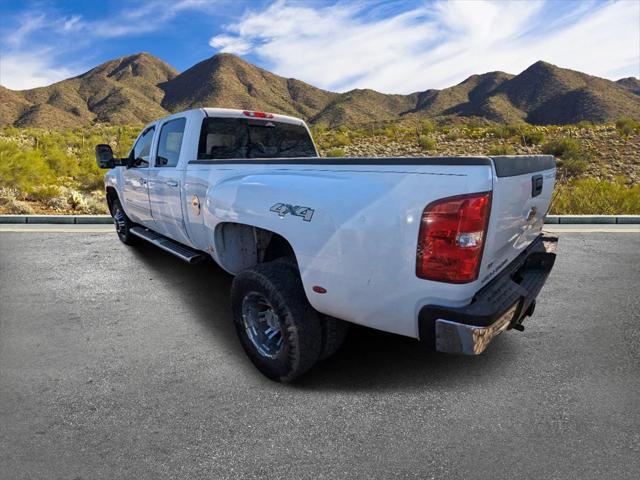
[249, 113]
[451, 238]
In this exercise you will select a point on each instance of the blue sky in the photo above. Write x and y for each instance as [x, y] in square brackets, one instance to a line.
[391, 46]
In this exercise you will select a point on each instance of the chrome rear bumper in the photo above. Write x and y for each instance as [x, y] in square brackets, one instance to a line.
[498, 306]
[453, 337]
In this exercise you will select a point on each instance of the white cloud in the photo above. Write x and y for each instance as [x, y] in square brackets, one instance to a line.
[436, 45]
[148, 17]
[229, 44]
[72, 23]
[20, 72]
[25, 61]
[27, 25]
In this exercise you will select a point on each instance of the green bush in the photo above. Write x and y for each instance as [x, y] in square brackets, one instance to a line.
[452, 135]
[572, 166]
[427, 143]
[22, 170]
[502, 149]
[341, 139]
[335, 152]
[60, 162]
[586, 124]
[563, 147]
[44, 193]
[504, 131]
[427, 127]
[626, 126]
[16, 207]
[593, 196]
[531, 137]
[390, 131]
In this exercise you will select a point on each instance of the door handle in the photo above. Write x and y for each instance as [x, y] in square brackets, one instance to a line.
[143, 181]
[172, 183]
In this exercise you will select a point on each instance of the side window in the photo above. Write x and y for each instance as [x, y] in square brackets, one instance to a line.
[170, 143]
[142, 148]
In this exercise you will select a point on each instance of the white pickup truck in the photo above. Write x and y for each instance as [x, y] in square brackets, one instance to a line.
[447, 250]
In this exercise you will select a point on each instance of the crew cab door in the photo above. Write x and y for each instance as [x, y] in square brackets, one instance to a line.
[165, 181]
[135, 178]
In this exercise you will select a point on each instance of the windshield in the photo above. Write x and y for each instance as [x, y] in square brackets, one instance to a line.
[222, 138]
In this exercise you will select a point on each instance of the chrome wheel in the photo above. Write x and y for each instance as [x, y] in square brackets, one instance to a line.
[262, 325]
[119, 219]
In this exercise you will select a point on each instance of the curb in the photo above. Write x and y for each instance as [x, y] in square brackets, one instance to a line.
[592, 219]
[57, 219]
[106, 219]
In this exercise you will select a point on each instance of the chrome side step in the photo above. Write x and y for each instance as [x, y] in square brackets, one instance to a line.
[182, 252]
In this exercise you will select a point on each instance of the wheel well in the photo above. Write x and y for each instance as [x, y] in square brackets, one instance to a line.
[242, 246]
[112, 194]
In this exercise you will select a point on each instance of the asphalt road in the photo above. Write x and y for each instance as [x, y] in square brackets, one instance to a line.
[122, 363]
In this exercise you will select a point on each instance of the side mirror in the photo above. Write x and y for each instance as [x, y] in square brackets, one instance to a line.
[104, 156]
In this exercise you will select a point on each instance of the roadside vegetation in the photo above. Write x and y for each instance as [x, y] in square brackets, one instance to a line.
[44, 171]
[54, 172]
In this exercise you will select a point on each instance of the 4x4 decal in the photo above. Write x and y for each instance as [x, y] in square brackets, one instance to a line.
[297, 211]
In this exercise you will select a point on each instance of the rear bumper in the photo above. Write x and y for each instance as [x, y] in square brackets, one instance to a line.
[500, 305]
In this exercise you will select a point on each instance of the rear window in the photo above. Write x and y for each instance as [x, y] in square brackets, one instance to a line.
[222, 138]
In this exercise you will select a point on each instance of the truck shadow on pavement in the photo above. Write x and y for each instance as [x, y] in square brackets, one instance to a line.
[369, 359]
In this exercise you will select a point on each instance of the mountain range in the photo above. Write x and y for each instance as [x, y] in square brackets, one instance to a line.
[141, 87]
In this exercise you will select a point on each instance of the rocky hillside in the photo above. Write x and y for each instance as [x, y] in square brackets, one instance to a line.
[122, 91]
[140, 87]
[227, 81]
[589, 151]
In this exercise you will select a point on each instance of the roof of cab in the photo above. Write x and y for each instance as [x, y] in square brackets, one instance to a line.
[233, 113]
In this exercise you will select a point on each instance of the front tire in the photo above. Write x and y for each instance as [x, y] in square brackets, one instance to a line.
[123, 224]
[278, 329]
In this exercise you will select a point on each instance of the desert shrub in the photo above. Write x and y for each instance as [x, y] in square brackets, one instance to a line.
[502, 149]
[89, 175]
[318, 130]
[573, 166]
[18, 207]
[11, 205]
[452, 135]
[530, 136]
[96, 203]
[335, 152]
[59, 204]
[44, 193]
[427, 143]
[563, 147]
[427, 127]
[504, 131]
[22, 170]
[586, 124]
[572, 159]
[60, 162]
[340, 139]
[593, 196]
[76, 201]
[390, 131]
[626, 126]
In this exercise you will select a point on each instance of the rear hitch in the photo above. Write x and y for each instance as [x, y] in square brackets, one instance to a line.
[528, 313]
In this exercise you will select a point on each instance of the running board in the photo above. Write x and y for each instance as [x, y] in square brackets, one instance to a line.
[182, 252]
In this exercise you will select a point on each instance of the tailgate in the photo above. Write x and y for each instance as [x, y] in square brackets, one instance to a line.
[522, 190]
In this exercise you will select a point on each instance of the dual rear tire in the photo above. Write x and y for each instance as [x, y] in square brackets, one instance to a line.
[279, 330]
